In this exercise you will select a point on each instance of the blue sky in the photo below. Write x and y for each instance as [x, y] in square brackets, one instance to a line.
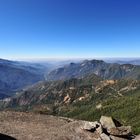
[69, 28]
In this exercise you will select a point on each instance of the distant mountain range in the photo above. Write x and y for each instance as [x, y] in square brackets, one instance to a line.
[133, 62]
[16, 75]
[125, 61]
[74, 79]
[98, 67]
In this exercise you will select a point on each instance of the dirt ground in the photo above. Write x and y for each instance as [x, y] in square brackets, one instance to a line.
[29, 126]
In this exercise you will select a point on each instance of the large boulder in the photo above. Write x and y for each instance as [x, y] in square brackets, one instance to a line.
[92, 126]
[107, 122]
[120, 131]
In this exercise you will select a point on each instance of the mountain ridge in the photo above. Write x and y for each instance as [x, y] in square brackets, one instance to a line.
[98, 67]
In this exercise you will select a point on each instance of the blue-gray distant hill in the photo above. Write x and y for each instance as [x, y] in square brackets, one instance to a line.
[16, 75]
[124, 61]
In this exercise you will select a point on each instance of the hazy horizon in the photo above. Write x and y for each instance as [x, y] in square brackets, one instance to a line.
[72, 59]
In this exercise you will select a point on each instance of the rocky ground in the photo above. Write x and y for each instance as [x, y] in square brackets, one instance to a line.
[29, 126]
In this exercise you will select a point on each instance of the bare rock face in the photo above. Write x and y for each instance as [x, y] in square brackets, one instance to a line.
[30, 126]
